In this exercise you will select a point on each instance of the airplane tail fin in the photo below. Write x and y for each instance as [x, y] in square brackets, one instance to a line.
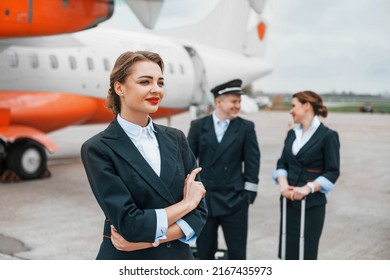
[235, 25]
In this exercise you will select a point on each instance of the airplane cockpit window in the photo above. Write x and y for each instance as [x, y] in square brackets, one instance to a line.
[13, 60]
[72, 62]
[53, 61]
[106, 64]
[34, 60]
[90, 63]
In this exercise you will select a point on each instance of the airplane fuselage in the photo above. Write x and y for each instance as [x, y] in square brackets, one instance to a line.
[67, 76]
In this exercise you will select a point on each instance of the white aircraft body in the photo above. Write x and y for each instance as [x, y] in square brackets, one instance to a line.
[50, 82]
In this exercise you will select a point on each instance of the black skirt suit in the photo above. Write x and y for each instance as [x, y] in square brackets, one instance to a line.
[128, 190]
[320, 156]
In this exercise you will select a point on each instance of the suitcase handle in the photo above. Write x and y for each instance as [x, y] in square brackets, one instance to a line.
[302, 229]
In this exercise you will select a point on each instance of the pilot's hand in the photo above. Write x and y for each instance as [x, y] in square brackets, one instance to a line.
[250, 195]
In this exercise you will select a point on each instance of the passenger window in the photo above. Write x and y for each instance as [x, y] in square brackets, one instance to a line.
[106, 64]
[72, 62]
[171, 69]
[90, 63]
[13, 60]
[53, 61]
[34, 60]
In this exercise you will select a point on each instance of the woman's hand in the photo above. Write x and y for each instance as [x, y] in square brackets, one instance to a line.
[285, 188]
[122, 244]
[286, 191]
[193, 190]
[297, 193]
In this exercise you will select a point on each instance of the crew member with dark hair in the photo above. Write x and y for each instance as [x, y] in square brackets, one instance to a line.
[308, 168]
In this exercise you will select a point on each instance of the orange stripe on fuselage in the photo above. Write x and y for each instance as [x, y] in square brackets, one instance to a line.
[164, 112]
[102, 115]
[48, 111]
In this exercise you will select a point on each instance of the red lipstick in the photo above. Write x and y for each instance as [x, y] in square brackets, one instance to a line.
[153, 100]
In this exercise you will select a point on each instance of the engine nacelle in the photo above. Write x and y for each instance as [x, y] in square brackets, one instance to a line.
[48, 17]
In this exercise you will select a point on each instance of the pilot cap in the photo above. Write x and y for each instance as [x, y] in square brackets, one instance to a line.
[232, 87]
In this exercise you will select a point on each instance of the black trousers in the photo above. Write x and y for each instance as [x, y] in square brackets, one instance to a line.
[314, 223]
[235, 230]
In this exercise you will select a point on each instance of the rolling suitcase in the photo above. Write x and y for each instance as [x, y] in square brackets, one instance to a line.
[302, 229]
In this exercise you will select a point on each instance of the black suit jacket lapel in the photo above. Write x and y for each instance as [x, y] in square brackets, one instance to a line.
[208, 131]
[168, 154]
[313, 140]
[118, 141]
[290, 140]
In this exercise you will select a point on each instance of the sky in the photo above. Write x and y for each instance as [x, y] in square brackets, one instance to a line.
[319, 45]
[328, 45]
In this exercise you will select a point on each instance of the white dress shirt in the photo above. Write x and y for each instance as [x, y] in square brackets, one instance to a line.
[301, 140]
[145, 140]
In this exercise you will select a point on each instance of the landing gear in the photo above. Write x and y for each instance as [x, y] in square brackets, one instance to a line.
[2, 157]
[26, 158]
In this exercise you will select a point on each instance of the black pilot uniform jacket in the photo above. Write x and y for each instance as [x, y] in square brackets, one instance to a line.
[227, 165]
[128, 190]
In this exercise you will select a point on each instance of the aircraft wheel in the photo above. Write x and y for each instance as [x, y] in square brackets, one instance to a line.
[27, 159]
[2, 158]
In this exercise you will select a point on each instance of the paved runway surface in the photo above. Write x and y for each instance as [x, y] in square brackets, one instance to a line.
[58, 218]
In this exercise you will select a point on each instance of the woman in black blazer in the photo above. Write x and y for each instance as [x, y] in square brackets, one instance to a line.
[138, 170]
[308, 168]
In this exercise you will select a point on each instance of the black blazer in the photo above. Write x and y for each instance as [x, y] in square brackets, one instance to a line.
[226, 165]
[128, 190]
[320, 156]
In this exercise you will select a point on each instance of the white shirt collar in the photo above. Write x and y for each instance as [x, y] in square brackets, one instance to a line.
[314, 124]
[216, 119]
[134, 131]
[301, 140]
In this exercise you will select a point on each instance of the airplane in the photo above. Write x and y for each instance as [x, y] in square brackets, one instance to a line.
[48, 17]
[51, 82]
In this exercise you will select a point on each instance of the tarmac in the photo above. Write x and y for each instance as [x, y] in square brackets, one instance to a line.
[57, 218]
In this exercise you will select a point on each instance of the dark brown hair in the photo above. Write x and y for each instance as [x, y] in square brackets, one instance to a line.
[122, 69]
[315, 101]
